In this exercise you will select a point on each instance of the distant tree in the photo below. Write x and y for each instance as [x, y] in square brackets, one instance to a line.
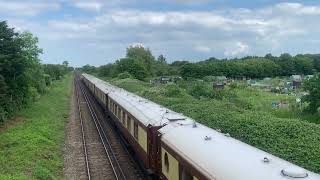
[179, 63]
[88, 69]
[270, 56]
[161, 59]
[108, 70]
[65, 63]
[313, 87]
[303, 64]
[143, 56]
[287, 65]
[132, 66]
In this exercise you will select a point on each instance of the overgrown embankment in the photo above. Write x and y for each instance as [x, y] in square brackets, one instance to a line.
[32, 148]
[292, 139]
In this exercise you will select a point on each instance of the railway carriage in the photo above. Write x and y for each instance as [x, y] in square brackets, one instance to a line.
[175, 147]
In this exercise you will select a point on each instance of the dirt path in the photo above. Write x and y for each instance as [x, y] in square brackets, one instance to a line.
[74, 163]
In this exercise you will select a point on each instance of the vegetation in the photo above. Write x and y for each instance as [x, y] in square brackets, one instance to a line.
[22, 77]
[245, 119]
[245, 113]
[253, 67]
[313, 87]
[32, 148]
[141, 64]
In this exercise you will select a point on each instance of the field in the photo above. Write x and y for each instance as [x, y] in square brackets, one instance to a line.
[31, 148]
[246, 114]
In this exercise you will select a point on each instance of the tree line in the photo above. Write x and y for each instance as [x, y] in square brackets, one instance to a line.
[139, 63]
[254, 67]
[22, 76]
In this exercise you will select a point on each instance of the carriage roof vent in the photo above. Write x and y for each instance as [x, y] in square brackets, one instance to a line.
[174, 117]
[294, 172]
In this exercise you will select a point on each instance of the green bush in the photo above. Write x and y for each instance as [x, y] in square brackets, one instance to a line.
[173, 91]
[209, 78]
[124, 75]
[201, 90]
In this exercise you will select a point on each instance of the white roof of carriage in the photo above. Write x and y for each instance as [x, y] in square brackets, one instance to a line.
[216, 154]
[222, 157]
[147, 112]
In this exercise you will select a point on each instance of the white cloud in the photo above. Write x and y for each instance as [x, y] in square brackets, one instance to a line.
[26, 8]
[298, 8]
[89, 5]
[183, 34]
[69, 26]
[236, 49]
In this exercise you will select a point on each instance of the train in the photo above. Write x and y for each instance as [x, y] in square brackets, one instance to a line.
[172, 146]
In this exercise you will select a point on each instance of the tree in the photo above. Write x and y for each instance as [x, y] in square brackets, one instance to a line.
[12, 68]
[161, 59]
[65, 63]
[21, 75]
[88, 69]
[132, 66]
[313, 87]
[108, 70]
[144, 57]
[34, 71]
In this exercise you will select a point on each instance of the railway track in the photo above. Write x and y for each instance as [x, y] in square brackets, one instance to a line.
[105, 155]
[128, 164]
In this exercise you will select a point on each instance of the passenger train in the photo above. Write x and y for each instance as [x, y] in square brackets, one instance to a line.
[175, 147]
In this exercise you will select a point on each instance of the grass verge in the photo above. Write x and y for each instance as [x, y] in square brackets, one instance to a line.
[32, 149]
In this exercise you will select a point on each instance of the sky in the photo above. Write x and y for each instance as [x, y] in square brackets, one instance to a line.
[97, 32]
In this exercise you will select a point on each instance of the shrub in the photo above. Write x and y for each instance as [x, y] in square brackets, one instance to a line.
[173, 91]
[124, 75]
[209, 78]
[200, 90]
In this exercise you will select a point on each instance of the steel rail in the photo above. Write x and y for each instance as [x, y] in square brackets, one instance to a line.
[107, 124]
[82, 133]
[104, 134]
[92, 113]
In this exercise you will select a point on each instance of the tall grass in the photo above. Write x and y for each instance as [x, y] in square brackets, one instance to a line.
[32, 149]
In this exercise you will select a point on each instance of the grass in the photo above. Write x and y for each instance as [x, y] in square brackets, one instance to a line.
[32, 149]
[248, 116]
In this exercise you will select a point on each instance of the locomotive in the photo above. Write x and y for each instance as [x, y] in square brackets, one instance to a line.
[172, 146]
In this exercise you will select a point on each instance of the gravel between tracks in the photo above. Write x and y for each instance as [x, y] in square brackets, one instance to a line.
[74, 166]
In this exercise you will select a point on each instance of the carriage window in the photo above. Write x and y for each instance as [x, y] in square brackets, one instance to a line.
[129, 123]
[185, 175]
[166, 162]
[117, 110]
[123, 117]
[135, 130]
